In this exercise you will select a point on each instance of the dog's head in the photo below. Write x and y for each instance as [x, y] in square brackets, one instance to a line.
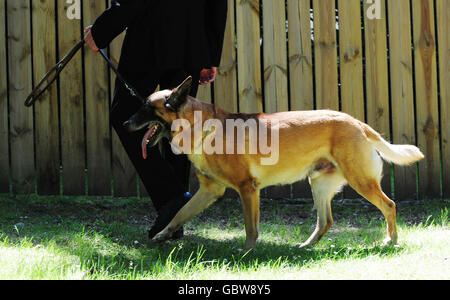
[158, 113]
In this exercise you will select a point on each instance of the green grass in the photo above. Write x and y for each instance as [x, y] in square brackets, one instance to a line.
[105, 238]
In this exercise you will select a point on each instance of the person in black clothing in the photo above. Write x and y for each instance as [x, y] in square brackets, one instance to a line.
[166, 41]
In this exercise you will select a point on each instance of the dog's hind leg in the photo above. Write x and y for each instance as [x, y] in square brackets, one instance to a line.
[371, 190]
[365, 178]
[249, 193]
[324, 186]
[207, 194]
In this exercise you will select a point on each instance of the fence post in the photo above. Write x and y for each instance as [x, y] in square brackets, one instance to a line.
[98, 139]
[71, 103]
[426, 98]
[377, 82]
[351, 65]
[402, 95]
[443, 25]
[325, 51]
[4, 141]
[249, 56]
[46, 109]
[300, 69]
[225, 86]
[20, 84]
[275, 69]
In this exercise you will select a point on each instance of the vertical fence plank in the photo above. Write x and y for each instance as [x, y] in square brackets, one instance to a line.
[71, 103]
[124, 174]
[4, 151]
[325, 47]
[225, 86]
[275, 57]
[249, 56]
[300, 55]
[97, 112]
[351, 58]
[402, 96]
[46, 109]
[300, 69]
[20, 84]
[377, 82]
[204, 93]
[426, 97]
[351, 65]
[443, 25]
[275, 69]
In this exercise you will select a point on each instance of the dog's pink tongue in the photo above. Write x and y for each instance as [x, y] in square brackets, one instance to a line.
[147, 137]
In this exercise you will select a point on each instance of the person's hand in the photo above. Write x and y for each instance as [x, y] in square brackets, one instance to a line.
[89, 39]
[208, 76]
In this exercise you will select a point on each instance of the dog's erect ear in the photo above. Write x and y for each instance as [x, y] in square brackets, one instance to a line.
[185, 87]
[180, 94]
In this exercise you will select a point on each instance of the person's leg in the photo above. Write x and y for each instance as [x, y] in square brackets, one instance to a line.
[157, 174]
[179, 163]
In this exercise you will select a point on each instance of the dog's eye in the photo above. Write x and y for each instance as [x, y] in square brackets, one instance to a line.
[166, 102]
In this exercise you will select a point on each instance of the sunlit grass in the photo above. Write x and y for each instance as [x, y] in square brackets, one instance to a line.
[104, 238]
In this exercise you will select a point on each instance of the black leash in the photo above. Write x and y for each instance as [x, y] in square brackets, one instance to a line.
[51, 76]
[130, 89]
[54, 72]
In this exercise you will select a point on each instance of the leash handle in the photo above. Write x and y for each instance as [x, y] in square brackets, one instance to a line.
[55, 71]
[130, 89]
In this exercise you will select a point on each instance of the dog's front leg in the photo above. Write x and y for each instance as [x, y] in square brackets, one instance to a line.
[207, 194]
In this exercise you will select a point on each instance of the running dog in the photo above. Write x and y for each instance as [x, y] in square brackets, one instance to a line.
[329, 148]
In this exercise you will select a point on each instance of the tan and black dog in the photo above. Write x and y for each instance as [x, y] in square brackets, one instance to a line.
[329, 148]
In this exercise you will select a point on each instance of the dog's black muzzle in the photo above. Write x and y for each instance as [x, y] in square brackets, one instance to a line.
[140, 119]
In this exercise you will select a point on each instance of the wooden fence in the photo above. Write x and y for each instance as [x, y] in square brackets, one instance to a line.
[392, 72]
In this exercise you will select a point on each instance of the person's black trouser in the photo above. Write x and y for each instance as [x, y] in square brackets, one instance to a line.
[165, 178]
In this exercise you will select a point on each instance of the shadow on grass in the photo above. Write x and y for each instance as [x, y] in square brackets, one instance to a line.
[195, 252]
[128, 254]
[109, 244]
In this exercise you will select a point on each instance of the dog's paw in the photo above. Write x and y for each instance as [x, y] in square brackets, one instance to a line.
[245, 250]
[161, 237]
[302, 245]
[389, 242]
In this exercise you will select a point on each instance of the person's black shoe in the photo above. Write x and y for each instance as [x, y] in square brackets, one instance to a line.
[179, 234]
[166, 214]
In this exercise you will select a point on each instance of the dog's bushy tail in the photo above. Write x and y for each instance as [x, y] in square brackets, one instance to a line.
[397, 154]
